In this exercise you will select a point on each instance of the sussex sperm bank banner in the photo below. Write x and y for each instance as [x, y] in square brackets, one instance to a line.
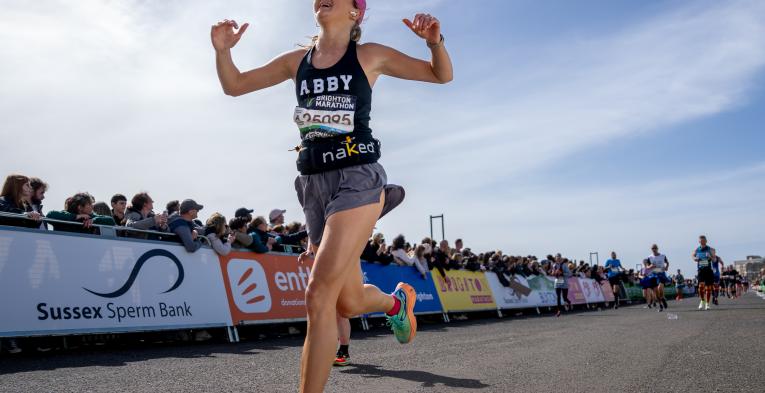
[56, 283]
[263, 287]
[387, 277]
[462, 290]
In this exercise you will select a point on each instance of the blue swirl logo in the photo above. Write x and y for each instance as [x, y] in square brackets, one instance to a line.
[137, 268]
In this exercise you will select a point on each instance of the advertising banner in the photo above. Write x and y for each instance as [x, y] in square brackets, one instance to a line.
[539, 291]
[545, 288]
[575, 292]
[53, 283]
[608, 291]
[522, 292]
[264, 287]
[387, 277]
[593, 292]
[463, 290]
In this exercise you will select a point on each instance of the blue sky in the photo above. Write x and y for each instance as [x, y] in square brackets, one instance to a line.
[570, 126]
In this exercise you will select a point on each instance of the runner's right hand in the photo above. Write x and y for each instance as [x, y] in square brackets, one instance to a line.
[223, 35]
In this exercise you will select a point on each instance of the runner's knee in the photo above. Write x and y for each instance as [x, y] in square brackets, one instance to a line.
[318, 297]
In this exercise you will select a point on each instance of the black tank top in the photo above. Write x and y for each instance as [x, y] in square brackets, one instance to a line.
[335, 101]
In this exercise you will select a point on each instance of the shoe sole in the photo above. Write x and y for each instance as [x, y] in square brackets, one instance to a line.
[411, 299]
[339, 364]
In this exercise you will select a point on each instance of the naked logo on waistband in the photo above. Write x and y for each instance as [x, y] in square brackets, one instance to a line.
[349, 150]
[137, 268]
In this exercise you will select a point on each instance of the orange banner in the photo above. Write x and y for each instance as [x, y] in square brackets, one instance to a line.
[265, 286]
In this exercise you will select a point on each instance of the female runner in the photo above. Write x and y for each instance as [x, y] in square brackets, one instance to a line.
[342, 188]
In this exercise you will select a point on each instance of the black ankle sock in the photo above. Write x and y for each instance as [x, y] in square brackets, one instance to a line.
[343, 350]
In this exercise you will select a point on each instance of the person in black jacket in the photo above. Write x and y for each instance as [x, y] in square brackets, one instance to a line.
[16, 197]
[376, 251]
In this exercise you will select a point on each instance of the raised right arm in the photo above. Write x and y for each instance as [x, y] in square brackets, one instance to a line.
[236, 83]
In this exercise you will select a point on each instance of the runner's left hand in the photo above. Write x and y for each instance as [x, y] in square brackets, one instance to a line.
[426, 27]
[304, 256]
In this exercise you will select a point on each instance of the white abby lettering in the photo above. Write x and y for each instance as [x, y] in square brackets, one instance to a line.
[332, 84]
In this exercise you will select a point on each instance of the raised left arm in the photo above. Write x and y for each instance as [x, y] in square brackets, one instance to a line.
[398, 65]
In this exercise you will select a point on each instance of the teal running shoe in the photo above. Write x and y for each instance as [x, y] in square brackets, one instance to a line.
[404, 324]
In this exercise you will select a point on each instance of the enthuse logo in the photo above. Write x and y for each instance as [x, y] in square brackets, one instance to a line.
[249, 286]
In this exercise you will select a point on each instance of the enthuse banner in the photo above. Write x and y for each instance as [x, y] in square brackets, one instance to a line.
[463, 290]
[265, 287]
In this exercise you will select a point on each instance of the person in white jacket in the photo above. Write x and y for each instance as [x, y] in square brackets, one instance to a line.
[218, 234]
[402, 258]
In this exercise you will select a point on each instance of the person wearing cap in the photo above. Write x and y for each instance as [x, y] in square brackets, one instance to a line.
[242, 216]
[276, 217]
[182, 224]
[244, 212]
[342, 188]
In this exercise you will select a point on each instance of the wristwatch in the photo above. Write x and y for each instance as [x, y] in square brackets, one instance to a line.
[436, 45]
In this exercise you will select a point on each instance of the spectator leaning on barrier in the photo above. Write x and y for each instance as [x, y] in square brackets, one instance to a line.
[457, 247]
[238, 226]
[401, 257]
[79, 209]
[39, 188]
[119, 205]
[140, 215]
[258, 229]
[17, 198]
[182, 224]
[375, 251]
[441, 258]
[218, 234]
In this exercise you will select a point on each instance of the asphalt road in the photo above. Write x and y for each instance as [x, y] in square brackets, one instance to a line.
[631, 349]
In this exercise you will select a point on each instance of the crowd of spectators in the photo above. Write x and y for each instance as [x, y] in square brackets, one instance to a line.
[441, 256]
[179, 222]
[22, 197]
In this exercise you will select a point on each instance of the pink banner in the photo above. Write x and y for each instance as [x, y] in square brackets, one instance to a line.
[608, 292]
[575, 294]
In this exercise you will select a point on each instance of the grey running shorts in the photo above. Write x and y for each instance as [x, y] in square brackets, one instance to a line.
[324, 194]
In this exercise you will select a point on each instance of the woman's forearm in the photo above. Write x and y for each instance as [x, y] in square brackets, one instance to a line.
[228, 74]
[441, 63]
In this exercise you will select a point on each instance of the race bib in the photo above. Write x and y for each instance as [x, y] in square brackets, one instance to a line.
[326, 116]
[614, 270]
[704, 263]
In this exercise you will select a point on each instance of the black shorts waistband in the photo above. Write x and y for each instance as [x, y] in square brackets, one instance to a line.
[322, 155]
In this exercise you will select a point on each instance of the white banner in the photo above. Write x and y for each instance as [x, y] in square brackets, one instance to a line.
[593, 292]
[522, 293]
[536, 291]
[56, 283]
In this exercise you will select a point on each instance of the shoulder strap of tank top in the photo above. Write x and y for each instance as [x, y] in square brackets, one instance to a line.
[350, 58]
[306, 61]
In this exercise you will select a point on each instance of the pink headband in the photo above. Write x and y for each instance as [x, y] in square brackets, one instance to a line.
[362, 6]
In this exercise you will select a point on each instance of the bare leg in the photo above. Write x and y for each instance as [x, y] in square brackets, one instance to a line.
[343, 330]
[345, 235]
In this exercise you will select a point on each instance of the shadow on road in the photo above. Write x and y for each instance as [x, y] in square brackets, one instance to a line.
[125, 355]
[425, 378]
